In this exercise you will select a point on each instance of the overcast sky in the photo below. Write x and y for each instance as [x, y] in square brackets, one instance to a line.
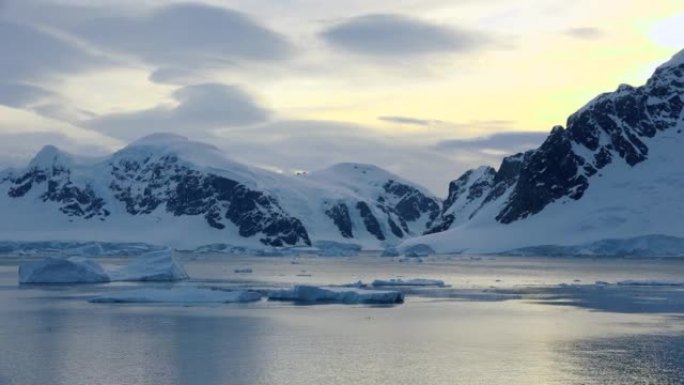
[423, 88]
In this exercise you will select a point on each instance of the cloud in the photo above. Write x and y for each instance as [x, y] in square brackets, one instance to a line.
[407, 120]
[32, 54]
[19, 95]
[503, 143]
[16, 149]
[584, 33]
[174, 75]
[198, 108]
[396, 35]
[296, 145]
[185, 35]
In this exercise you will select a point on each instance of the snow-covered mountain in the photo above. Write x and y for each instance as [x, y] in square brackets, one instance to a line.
[167, 189]
[616, 171]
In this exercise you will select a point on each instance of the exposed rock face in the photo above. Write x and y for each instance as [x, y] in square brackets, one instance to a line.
[143, 187]
[614, 127]
[53, 179]
[166, 178]
[340, 215]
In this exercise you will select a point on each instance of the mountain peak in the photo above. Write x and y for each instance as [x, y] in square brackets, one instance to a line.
[677, 60]
[47, 157]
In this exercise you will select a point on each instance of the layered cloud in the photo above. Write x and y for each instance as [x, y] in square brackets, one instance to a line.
[397, 35]
[185, 35]
[197, 109]
[407, 120]
[585, 33]
[35, 54]
[497, 144]
[305, 145]
[19, 95]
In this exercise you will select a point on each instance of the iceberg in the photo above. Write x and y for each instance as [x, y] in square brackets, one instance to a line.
[62, 270]
[315, 294]
[86, 250]
[73, 249]
[420, 282]
[390, 251]
[153, 266]
[337, 249]
[182, 295]
[419, 250]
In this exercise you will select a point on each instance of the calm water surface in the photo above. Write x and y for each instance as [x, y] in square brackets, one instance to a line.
[503, 321]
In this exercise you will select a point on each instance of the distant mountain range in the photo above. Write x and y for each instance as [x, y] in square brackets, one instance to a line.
[616, 171]
[167, 189]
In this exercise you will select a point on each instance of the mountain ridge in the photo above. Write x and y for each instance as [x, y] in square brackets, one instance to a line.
[614, 136]
[162, 183]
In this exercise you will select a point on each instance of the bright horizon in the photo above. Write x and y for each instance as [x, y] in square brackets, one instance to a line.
[425, 89]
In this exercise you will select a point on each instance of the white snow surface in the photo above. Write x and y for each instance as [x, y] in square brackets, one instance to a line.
[463, 207]
[344, 295]
[643, 246]
[306, 197]
[153, 266]
[62, 270]
[179, 295]
[621, 202]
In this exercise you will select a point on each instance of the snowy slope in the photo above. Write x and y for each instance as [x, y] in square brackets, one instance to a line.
[166, 189]
[612, 173]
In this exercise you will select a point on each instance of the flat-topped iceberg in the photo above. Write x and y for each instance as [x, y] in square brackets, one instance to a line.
[153, 266]
[343, 295]
[181, 295]
[421, 282]
[62, 270]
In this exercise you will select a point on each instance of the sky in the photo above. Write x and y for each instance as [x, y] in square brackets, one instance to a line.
[423, 88]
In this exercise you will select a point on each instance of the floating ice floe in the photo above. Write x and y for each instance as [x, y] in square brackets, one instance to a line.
[315, 294]
[182, 295]
[62, 270]
[390, 251]
[336, 249]
[649, 282]
[153, 266]
[419, 250]
[420, 282]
